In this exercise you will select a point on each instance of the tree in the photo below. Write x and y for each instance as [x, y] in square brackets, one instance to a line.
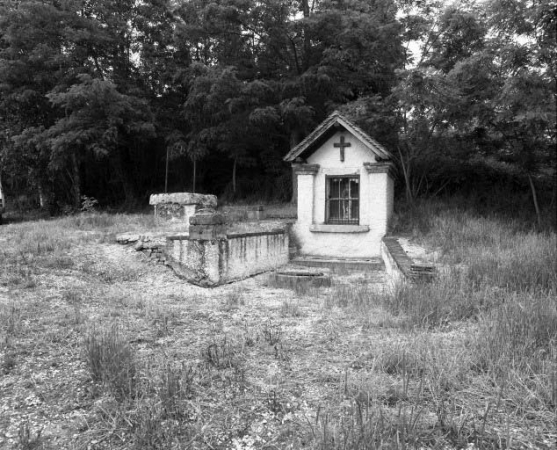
[40, 41]
[102, 120]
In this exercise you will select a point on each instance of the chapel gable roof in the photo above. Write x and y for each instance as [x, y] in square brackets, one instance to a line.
[325, 129]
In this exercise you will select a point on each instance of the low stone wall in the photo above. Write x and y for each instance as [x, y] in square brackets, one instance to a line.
[211, 262]
[400, 267]
[394, 267]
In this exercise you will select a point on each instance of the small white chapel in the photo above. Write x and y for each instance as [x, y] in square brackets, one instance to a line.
[345, 191]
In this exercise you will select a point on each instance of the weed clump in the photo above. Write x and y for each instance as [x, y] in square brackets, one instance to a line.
[111, 361]
[222, 354]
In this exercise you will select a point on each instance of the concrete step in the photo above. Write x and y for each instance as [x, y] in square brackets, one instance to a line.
[340, 264]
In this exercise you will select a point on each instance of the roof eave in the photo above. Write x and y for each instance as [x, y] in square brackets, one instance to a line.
[335, 118]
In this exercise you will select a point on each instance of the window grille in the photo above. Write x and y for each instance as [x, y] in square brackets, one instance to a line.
[343, 200]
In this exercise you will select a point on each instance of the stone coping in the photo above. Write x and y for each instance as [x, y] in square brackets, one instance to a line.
[178, 236]
[292, 277]
[241, 234]
[131, 237]
[184, 198]
[302, 271]
[325, 228]
[231, 234]
[207, 219]
[402, 260]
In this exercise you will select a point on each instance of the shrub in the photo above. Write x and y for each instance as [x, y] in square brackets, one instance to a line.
[88, 204]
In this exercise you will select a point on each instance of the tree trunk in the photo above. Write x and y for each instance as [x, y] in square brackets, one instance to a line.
[42, 196]
[294, 198]
[295, 138]
[535, 200]
[234, 175]
[166, 173]
[117, 162]
[194, 174]
[406, 173]
[307, 40]
[76, 179]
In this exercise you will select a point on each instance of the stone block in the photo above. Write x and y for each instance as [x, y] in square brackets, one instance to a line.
[127, 238]
[255, 213]
[296, 277]
[169, 211]
[207, 219]
[184, 198]
[207, 232]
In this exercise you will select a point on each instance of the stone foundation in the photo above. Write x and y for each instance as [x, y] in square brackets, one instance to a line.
[211, 262]
[210, 256]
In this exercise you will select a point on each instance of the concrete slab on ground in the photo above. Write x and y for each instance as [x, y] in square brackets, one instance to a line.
[336, 264]
[295, 275]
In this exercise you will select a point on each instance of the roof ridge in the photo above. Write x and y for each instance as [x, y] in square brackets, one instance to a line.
[371, 143]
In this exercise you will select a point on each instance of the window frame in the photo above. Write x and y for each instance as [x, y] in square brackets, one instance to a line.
[328, 199]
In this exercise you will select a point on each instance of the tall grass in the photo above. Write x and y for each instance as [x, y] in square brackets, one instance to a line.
[432, 304]
[490, 261]
[44, 244]
[517, 344]
[105, 222]
[497, 253]
[500, 278]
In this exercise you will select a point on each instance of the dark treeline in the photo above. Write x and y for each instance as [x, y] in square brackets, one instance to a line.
[95, 95]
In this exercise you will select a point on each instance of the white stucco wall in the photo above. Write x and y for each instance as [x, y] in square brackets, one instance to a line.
[375, 203]
[305, 192]
[251, 254]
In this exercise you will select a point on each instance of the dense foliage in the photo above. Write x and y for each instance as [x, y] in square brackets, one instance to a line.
[95, 96]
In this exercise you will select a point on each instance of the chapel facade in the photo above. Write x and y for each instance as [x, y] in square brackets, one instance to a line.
[345, 191]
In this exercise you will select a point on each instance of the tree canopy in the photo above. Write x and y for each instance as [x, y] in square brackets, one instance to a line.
[96, 95]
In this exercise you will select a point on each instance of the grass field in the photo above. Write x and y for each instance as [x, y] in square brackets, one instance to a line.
[102, 349]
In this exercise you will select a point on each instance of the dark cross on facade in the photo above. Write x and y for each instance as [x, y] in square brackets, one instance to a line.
[342, 145]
